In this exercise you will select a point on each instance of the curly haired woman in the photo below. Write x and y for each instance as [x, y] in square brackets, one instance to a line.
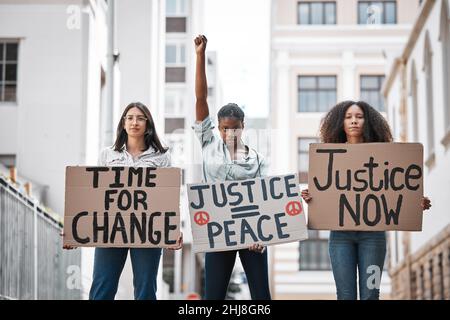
[353, 252]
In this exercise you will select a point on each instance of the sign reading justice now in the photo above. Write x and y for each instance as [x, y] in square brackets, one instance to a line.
[122, 206]
[367, 186]
[233, 215]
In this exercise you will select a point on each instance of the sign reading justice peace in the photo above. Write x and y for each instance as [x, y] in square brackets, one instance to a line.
[232, 215]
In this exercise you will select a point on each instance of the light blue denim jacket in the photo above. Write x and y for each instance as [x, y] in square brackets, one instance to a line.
[217, 163]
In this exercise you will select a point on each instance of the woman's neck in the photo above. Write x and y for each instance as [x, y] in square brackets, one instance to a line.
[355, 139]
[135, 145]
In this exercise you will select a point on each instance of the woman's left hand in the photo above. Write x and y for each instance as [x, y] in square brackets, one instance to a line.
[257, 248]
[425, 203]
[179, 243]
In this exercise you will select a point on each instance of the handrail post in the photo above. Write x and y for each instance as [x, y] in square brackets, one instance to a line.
[35, 249]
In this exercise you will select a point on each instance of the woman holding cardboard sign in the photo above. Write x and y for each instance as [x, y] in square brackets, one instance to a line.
[227, 158]
[137, 145]
[365, 251]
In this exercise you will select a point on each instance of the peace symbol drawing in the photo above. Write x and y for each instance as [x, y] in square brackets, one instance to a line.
[201, 218]
[293, 208]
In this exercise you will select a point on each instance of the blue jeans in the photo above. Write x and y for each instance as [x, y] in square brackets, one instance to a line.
[357, 250]
[219, 266]
[108, 265]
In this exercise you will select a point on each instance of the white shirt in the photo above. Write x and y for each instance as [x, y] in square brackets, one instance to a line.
[148, 158]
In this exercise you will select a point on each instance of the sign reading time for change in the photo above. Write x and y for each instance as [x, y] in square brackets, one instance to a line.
[122, 207]
[233, 215]
[367, 186]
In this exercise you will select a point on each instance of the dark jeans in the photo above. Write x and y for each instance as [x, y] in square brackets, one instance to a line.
[357, 250]
[219, 266]
[108, 265]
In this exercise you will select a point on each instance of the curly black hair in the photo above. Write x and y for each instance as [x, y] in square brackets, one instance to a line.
[376, 128]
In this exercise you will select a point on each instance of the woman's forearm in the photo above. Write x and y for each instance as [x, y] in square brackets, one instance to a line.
[201, 85]
[201, 88]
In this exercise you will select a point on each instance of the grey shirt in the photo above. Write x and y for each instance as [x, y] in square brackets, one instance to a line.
[217, 162]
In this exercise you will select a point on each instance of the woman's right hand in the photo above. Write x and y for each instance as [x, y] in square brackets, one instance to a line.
[306, 196]
[200, 44]
[66, 246]
[201, 84]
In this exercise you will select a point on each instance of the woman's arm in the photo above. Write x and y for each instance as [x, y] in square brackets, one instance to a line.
[201, 87]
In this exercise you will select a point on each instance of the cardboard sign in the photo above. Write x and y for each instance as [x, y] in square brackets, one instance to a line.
[367, 186]
[233, 215]
[122, 207]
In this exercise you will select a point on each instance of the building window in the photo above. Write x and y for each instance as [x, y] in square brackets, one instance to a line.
[444, 36]
[377, 12]
[176, 7]
[428, 69]
[174, 103]
[413, 287]
[176, 143]
[394, 124]
[314, 252]
[303, 157]
[175, 74]
[175, 54]
[431, 279]
[316, 93]
[422, 283]
[316, 13]
[8, 160]
[8, 71]
[441, 276]
[414, 104]
[173, 124]
[175, 24]
[176, 12]
[371, 91]
[175, 62]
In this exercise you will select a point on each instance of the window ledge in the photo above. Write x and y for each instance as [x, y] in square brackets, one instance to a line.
[342, 27]
[8, 104]
[446, 139]
[431, 161]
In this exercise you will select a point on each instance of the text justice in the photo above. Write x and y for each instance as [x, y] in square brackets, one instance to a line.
[229, 195]
[365, 176]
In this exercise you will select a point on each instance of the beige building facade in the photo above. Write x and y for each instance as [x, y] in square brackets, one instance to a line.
[417, 93]
[323, 52]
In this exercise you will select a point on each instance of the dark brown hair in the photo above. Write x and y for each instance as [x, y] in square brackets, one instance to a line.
[376, 128]
[231, 110]
[151, 137]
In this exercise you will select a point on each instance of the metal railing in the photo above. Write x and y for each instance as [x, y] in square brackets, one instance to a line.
[32, 262]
